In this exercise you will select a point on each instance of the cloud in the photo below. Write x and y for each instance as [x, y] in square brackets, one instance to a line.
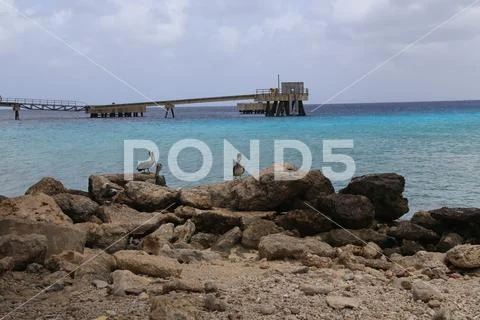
[160, 22]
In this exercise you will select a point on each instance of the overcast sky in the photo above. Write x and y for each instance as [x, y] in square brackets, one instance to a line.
[188, 48]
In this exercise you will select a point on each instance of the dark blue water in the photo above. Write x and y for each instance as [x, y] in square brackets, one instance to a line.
[435, 145]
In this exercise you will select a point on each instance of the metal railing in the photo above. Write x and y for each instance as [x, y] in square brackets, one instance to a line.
[278, 91]
[45, 102]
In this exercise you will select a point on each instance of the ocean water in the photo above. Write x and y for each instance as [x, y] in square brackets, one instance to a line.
[436, 145]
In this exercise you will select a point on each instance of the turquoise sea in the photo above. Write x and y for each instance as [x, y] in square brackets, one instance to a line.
[435, 145]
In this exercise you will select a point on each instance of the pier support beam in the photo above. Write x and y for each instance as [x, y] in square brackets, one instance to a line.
[16, 109]
[301, 109]
[169, 107]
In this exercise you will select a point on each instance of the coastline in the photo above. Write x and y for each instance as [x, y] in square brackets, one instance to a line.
[240, 249]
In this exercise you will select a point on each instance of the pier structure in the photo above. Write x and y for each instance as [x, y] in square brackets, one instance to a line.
[286, 100]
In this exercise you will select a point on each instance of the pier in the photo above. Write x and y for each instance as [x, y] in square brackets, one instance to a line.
[285, 100]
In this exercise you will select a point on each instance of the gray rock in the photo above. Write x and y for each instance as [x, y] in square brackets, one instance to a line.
[78, 208]
[24, 249]
[212, 303]
[311, 290]
[140, 262]
[175, 306]
[411, 231]
[350, 211]
[256, 229]
[385, 191]
[306, 222]
[281, 246]
[267, 309]
[425, 292]
[449, 241]
[100, 284]
[338, 302]
[228, 240]
[457, 214]
[127, 283]
[343, 237]
[203, 240]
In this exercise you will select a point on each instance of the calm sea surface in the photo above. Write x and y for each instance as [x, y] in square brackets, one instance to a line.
[436, 146]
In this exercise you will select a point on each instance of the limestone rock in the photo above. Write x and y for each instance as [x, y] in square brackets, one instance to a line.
[256, 229]
[140, 262]
[184, 232]
[228, 240]
[464, 256]
[312, 260]
[198, 197]
[154, 242]
[78, 208]
[108, 236]
[280, 246]
[48, 186]
[385, 191]
[128, 283]
[96, 188]
[24, 249]
[350, 211]
[150, 197]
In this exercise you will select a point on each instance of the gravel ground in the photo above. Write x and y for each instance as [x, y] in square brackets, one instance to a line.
[252, 289]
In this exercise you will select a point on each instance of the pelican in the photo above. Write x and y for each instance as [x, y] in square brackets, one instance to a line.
[147, 164]
[238, 169]
[110, 193]
[159, 179]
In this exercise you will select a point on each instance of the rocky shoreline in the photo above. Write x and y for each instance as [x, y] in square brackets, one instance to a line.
[243, 249]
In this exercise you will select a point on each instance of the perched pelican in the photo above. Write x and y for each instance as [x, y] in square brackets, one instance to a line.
[110, 193]
[147, 164]
[238, 169]
[159, 179]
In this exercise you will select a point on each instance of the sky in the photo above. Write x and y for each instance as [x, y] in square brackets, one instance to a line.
[100, 51]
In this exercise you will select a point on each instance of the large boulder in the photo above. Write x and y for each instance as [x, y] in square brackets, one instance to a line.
[184, 232]
[137, 223]
[78, 208]
[448, 241]
[149, 197]
[198, 197]
[343, 237]
[140, 262]
[91, 265]
[464, 256]
[350, 211]
[307, 222]
[97, 186]
[385, 191]
[270, 193]
[426, 220]
[281, 246]
[468, 215]
[48, 186]
[24, 249]
[256, 229]
[411, 231]
[228, 240]
[119, 178]
[219, 221]
[111, 237]
[39, 213]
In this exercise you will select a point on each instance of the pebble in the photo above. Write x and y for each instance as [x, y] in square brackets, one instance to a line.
[212, 303]
[338, 302]
[267, 309]
[311, 290]
[425, 292]
[100, 284]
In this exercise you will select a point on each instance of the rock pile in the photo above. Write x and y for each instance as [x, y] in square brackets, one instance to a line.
[150, 231]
